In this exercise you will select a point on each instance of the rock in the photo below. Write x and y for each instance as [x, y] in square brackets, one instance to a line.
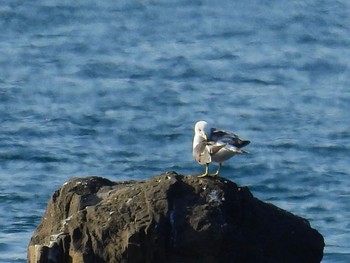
[169, 218]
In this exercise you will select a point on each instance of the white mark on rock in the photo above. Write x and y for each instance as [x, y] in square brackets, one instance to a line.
[213, 197]
[66, 221]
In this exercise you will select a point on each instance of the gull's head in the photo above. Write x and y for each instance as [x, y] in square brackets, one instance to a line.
[201, 129]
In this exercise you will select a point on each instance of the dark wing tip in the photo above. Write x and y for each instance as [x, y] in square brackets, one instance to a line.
[243, 143]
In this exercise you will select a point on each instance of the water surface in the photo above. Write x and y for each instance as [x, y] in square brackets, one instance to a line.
[114, 88]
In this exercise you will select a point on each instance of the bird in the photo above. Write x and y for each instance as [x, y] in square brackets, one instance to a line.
[214, 145]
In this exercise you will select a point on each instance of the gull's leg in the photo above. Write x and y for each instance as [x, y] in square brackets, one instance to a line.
[217, 172]
[206, 171]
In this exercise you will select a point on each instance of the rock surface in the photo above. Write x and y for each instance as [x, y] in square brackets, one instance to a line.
[169, 218]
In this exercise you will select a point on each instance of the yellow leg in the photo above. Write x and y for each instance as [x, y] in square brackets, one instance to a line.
[206, 173]
[217, 172]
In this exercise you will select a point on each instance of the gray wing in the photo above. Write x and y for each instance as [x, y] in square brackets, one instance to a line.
[227, 137]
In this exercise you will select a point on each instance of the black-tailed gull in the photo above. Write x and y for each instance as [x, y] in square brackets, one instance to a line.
[213, 145]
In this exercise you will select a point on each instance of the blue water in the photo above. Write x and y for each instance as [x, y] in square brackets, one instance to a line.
[113, 88]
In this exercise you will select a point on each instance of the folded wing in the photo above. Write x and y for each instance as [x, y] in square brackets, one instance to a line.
[227, 137]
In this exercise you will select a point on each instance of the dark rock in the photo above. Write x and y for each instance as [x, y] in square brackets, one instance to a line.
[169, 218]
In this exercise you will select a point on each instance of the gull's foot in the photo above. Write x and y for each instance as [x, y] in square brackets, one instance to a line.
[208, 175]
[217, 171]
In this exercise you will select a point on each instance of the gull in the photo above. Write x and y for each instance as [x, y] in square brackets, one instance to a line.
[213, 145]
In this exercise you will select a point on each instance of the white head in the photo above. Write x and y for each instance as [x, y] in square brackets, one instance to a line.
[200, 151]
[201, 129]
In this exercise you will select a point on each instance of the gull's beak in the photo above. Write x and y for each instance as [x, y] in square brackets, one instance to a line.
[205, 137]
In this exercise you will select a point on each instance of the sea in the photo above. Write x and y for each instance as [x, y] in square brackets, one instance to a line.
[114, 88]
